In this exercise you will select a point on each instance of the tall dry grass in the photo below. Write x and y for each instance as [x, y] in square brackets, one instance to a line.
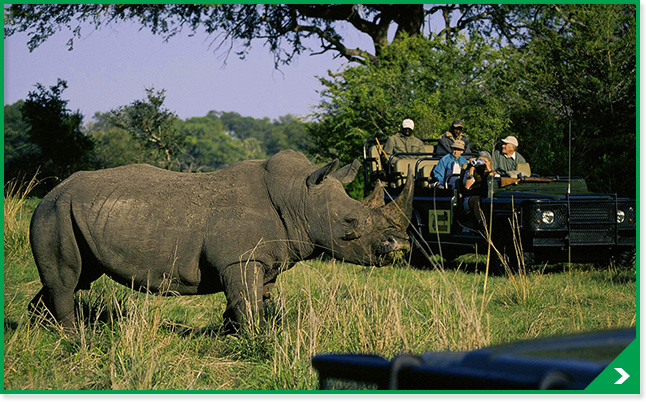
[16, 227]
[133, 341]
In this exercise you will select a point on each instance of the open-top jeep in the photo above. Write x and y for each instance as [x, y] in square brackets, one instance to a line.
[536, 219]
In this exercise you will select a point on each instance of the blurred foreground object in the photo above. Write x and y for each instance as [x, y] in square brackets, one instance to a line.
[561, 363]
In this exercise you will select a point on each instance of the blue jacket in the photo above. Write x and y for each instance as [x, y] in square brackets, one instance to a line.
[446, 163]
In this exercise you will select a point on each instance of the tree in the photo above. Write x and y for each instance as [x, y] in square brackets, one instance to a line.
[153, 127]
[288, 132]
[20, 154]
[57, 132]
[285, 28]
[114, 146]
[428, 80]
[578, 66]
[209, 145]
[586, 74]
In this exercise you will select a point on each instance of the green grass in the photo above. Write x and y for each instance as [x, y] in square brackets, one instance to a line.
[131, 341]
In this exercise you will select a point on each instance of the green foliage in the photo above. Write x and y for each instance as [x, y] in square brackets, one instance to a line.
[288, 132]
[587, 74]
[209, 145]
[114, 146]
[430, 81]
[62, 147]
[153, 127]
[569, 64]
[284, 28]
[20, 154]
[574, 64]
[146, 132]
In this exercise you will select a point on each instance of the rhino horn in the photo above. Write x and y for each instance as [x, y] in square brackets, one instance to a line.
[376, 199]
[401, 210]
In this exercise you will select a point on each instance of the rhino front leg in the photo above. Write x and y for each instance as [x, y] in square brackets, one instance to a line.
[243, 288]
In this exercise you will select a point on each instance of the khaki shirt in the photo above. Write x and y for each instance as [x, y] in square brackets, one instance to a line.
[399, 144]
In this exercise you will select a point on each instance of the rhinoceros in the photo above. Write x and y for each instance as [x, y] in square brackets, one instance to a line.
[230, 231]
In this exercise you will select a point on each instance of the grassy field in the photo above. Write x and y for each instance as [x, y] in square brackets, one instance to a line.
[134, 341]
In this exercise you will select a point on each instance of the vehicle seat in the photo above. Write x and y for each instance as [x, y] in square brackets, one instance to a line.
[425, 170]
[523, 169]
[374, 159]
[401, 170]
[429, 148]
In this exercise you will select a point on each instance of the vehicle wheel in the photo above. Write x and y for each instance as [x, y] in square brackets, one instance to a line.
[499, 265]
[625, 259]
[510, 261]
[529, 258]
[419, 253]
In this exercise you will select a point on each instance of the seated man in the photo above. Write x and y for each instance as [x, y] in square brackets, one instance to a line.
[475, 184]
[507, 159]
[404, 142]
[454, 133]
[449, 165]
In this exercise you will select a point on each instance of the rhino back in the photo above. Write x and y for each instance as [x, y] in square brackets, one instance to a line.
[142, 223]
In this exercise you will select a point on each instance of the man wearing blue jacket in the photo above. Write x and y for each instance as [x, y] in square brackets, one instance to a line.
[449, 165]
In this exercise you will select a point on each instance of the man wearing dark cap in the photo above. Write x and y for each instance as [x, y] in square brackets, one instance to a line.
[447, 139]
[507, 159]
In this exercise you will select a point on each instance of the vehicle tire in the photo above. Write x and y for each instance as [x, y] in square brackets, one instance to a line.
[625, 259]
[419, 248]
[419, 253]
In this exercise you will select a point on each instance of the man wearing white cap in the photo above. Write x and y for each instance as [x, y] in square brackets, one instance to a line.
[405, 141]
[507, 159]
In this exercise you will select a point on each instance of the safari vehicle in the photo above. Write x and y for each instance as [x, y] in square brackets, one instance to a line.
[546, 219]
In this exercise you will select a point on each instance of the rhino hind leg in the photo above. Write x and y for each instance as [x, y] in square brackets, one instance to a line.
[243, 288]
[52, 307]
[58, 259]
[40, 307]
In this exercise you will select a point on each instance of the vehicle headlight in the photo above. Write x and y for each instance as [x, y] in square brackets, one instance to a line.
[548, 217]
[621, 216]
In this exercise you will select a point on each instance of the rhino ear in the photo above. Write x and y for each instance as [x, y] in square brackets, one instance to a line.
[347, 173]
[317, 177]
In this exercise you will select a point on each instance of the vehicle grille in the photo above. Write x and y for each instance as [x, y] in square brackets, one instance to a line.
[582, 235]
[592, 224]
[592, 213]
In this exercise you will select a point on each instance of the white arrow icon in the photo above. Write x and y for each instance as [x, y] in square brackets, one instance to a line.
[624, 375]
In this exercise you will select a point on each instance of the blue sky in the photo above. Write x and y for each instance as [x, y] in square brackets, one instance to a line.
[112, 67]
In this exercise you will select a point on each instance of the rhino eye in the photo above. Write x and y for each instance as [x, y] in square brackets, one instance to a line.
[350, 230]
[351, 222]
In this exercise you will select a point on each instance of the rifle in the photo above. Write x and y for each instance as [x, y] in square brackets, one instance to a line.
[380, 148]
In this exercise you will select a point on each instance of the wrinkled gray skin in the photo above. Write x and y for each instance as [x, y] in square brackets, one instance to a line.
[230, 231]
